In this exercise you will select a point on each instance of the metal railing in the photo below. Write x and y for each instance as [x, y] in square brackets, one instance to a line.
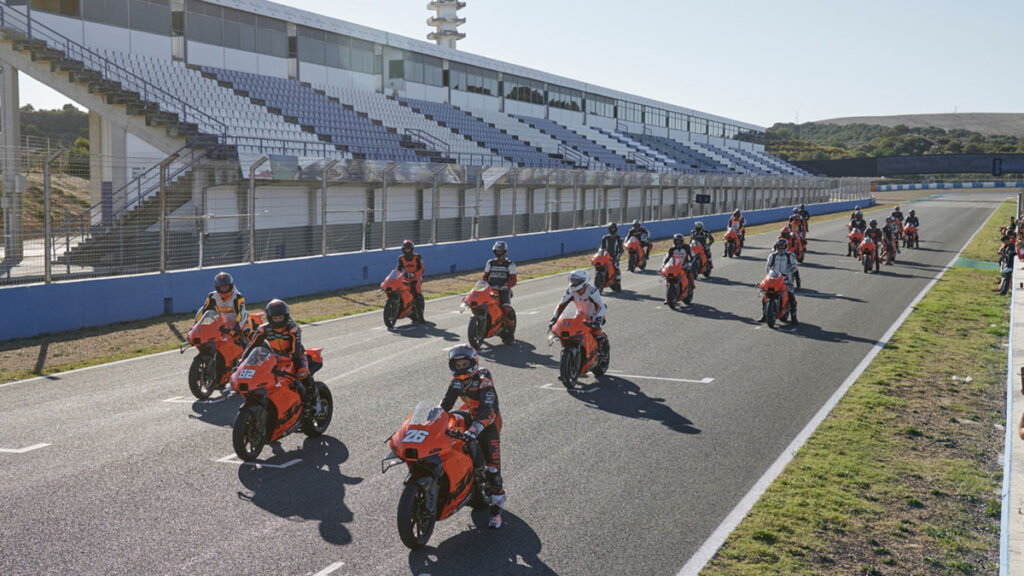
[13, 19]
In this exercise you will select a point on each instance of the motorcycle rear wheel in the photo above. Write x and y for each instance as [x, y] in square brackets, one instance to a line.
[391, 309]
[249, 433]
[569, 366]
[320, 415]
[415, 522]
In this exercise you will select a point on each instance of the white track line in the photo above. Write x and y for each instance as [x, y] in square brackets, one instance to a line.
[707, 550]
[701, 381]
[233, 459]
[23, 450]
[330, 569]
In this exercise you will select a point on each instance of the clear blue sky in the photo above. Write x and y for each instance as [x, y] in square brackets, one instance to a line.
[753, 60]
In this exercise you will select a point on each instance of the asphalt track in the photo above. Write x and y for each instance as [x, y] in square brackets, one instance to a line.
[627, 476]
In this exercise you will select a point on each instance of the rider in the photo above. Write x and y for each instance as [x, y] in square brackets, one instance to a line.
[284, 337]
[229, 303]
[857, 220]
[805, 216]
[889, 234]
[796, 227]
[612, 244]
[500, 273]
[740, 223]
[679, 245]
[913, 221]
[783, 261]
[474, 386]
[799, 219]
[705, 238]
[640, 233]
[897, 214]
[410, 264]
[875, 234]
[588, 302]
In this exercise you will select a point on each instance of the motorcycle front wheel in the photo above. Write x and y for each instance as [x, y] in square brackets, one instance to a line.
[672, 294]
[477, 331]
[599, 280]
[867, 263]
[249, 433]
[415, 522]
[771, 313]
[391, 310]
[729, 250]
[320, 415]
[202, 379]
[569, 366]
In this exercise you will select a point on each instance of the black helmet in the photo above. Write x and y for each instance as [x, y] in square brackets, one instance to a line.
[501, 246]
[796, 210]
[781, 245]
[636, 223]
[802, 206]
[463, 352]
[408, 246]
[873, 223]
[736, 212]
[613, 227]
[698, 226]
[277, 309]
[888, 219]
[911, 212]
[678, 240]
[223, 283]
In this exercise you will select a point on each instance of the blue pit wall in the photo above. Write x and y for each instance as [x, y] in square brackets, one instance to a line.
[47, 308]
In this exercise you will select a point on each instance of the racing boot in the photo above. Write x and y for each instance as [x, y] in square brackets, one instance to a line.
[497, 496]
[420, 306]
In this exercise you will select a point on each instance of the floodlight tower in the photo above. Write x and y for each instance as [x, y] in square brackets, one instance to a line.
[446, 22]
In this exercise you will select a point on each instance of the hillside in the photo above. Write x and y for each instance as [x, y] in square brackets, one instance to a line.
[982, 123]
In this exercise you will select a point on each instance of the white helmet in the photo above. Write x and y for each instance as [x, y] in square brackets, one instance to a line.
[578, 279]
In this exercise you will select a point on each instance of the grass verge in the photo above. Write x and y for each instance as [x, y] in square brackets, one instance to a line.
[904, 476]
[52, 353]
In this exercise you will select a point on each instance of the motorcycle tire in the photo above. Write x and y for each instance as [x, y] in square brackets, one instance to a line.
[867, 263]
[599, 280]
[391, 310]
[707, 272]
[729, 250]
[415, 522]
[632, 262]
[476, 331]
[604, 359]
[800, 257]
[200, 381]
[771, 313]
[569, 366]
[249, 433]
[689, 295]
[320, 416]
[672, 294]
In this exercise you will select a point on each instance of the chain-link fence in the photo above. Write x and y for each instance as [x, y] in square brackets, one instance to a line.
[68, 217]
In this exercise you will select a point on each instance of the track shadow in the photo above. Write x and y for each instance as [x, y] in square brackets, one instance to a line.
[819, 266]
[427, 329]
[716, 280]
[629, 295]
[622, 397]
[711, 313]
[312, 490]
[513, 550]
[811, 293]
[217, 410]
[815, 332]
[522, 354]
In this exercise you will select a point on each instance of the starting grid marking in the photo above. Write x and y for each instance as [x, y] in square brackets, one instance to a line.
[187, 400]
[550, 386]
[23, 450]
[686, 380]
[234, 459]
[330, 569]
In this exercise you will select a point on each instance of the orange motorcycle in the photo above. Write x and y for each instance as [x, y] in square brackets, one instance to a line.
[700, 259]
[797, 246]
[401, 302]
[446, 470]
[774, 298]
[488, 316]
[899, 228]
[854, 238]
[581, 352]
[637, 254]
[678, 287]
[888, 251]
[604, 272]
[910, 239]
[273, 408]
[219, 348]
[867, 253]
[733, 242]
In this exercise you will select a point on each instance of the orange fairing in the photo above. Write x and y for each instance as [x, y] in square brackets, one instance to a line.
[602, 262]
[571, 329]
[262, 370]
[423, 442]
[774, 286]
[867, 246]
[483, 299]
[212, 331]
[700, 258]
[632, 244]
[398, 287]
[732, 234]
[674, 271]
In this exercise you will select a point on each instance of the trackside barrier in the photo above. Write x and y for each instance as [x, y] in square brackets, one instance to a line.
[41, 309]
[945, 186]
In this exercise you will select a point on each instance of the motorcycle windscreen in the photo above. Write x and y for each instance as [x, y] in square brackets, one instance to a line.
[571, 311]
[257, 357]
[425, 414]
[208, 318]
[480, 286]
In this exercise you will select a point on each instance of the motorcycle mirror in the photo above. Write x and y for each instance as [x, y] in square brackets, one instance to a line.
[389, 462]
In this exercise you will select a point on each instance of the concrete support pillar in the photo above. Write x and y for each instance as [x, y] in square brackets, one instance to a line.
[108, 172]
[14, 184]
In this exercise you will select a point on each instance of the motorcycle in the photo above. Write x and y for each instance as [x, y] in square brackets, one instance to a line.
[581, 352]
[401, 302]
[910, 239]
[888, 251]
[677, 282]
[488, 316]
[604, 272]
[867, 253]
[774, 298]
[273, 408]
[854, 237]
[701, 265]
[219, 349]
[637, 254]
[797, 246]
[446, 471]
[733, 242]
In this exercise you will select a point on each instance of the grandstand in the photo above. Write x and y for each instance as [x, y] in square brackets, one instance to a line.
[240, 82]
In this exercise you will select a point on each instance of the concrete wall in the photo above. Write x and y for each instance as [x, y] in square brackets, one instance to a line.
[40, 309]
